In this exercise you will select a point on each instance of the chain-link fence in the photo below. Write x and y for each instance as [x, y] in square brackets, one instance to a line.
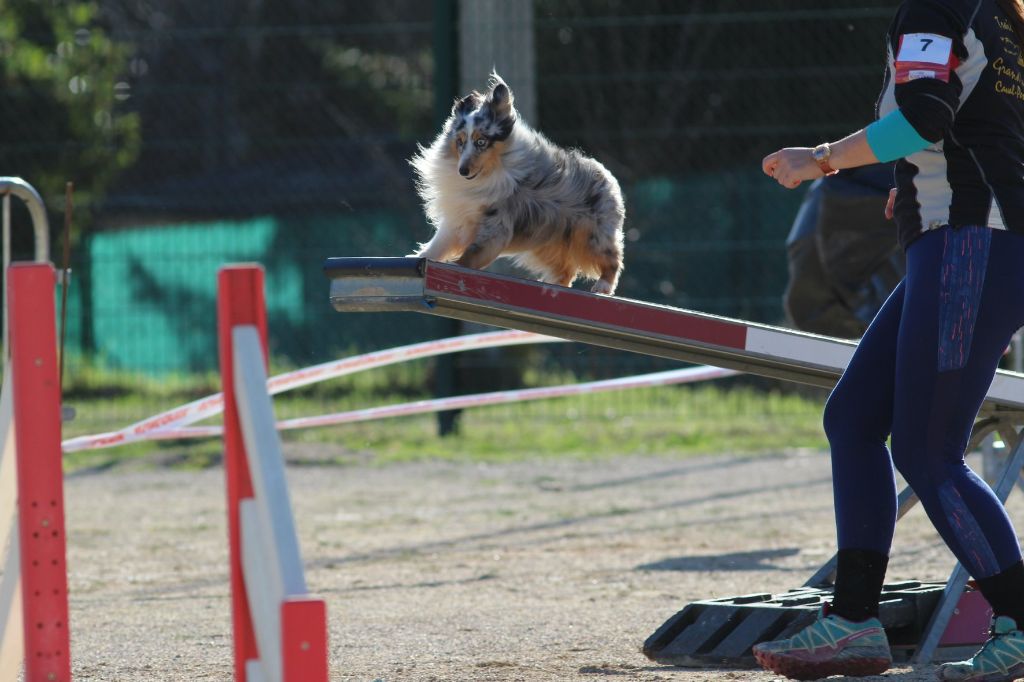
[279, 132]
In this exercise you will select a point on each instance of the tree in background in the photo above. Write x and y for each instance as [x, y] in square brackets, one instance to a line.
[62, 99]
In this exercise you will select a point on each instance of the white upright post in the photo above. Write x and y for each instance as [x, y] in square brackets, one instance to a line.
[6, 262]
[12, 645]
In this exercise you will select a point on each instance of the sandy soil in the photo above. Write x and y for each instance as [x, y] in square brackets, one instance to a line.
[541, 570]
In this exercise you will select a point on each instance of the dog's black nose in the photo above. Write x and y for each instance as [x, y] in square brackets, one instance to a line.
[463, 171]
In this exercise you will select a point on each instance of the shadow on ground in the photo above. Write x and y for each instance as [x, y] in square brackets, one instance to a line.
[734, 561]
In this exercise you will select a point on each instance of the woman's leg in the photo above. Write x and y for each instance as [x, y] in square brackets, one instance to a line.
[858, 418]
[846, 639]
[964, 300]
[857, 421]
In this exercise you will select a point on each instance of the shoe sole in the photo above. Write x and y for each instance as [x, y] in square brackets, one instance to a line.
[987, 677]
[797, 669]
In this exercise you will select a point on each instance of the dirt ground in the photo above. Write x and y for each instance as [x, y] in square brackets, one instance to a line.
[540, 570]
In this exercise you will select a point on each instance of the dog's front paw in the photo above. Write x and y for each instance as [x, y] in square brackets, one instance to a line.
[602, 287]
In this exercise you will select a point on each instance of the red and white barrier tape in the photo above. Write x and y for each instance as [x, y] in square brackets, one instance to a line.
[667, 378]
[163, 425]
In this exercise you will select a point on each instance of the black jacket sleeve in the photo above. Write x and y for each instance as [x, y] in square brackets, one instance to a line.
[930, 104]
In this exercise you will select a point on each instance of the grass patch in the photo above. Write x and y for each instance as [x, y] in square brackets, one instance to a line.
[724, 417]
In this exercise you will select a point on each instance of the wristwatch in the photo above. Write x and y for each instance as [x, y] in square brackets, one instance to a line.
[821, 155]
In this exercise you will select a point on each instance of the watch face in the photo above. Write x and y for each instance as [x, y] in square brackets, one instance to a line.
[821, 155]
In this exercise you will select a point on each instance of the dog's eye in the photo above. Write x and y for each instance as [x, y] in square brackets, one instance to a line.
[459, 142]
[480, 143]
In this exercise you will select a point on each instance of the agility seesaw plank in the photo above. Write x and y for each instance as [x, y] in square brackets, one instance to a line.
[420, 285]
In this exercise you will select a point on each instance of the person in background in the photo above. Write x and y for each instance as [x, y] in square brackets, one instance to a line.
[951, 115]
[842, 252]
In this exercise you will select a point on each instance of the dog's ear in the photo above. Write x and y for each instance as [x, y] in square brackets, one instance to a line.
[500, 98]
[499, 101]
[467, 104]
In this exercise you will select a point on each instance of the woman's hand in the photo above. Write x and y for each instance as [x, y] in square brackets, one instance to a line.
[791, 166]
[889, 204]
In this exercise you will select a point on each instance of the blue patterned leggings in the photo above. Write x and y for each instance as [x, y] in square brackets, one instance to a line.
[920, 375]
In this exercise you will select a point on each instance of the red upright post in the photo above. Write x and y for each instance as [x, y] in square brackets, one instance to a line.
[304, 640]
[37, 431]
[239, 301]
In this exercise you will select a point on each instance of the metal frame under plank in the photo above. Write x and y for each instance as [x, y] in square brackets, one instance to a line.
[444, 289]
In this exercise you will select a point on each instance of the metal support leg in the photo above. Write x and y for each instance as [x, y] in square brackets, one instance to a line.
[1010, 436]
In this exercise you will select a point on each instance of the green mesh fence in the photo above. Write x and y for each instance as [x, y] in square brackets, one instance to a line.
[279, 132]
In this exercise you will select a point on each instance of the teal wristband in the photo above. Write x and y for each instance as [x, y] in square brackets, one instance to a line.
[892, 137]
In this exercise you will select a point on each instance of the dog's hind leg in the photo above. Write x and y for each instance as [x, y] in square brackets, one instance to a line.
[609, 280]
[609, 261]
[598, 257]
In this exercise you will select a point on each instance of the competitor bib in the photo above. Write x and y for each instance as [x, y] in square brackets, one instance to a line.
[924, 55]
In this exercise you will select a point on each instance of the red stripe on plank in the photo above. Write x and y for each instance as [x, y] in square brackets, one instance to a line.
[583, 306]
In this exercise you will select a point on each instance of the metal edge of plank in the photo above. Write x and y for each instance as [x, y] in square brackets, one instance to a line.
[377, 294]
[407, 266]
[375, 284]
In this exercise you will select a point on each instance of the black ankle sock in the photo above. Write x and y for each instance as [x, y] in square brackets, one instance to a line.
[1004, 592]
[859, 577]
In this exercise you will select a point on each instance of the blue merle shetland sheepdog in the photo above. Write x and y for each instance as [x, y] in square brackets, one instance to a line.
[492, 186]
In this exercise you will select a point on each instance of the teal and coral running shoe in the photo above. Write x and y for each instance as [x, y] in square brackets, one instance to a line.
[1001, 658]
[831, 645]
